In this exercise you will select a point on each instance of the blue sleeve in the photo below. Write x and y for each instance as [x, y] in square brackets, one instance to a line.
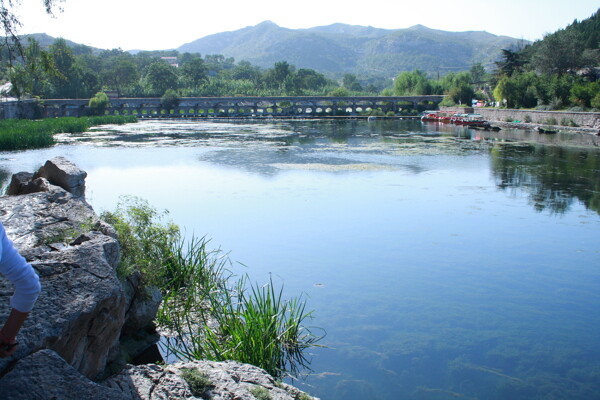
[14, 267]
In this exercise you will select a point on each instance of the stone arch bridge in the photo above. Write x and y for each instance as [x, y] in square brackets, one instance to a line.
[189, 107]
[313, 106]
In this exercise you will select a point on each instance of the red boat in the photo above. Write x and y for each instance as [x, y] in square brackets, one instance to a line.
[458, 119]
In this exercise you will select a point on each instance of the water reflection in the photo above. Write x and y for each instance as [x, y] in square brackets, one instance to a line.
[553, 177]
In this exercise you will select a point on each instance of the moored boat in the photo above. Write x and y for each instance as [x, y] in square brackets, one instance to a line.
[458, 119]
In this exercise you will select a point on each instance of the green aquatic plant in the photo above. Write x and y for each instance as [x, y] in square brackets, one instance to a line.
[207, 311]
[21, 134]
[255, 325]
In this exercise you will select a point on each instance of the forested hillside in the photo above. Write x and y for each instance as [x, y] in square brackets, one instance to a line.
[338, 49]
[561, 70]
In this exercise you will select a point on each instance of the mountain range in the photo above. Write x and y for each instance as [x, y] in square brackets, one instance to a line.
[339, 48]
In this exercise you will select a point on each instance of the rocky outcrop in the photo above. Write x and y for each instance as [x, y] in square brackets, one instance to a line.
[81, 309]
[45, 375]
[220, 381]
[87, 319]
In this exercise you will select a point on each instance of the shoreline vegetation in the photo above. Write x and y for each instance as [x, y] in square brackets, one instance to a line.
[207, 312]
[22, 134]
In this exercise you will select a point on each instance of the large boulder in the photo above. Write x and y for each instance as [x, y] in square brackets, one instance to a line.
[44, 375]
[61, 172]
[81, 309]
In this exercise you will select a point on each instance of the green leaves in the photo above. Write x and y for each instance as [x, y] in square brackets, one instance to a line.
[207, 312]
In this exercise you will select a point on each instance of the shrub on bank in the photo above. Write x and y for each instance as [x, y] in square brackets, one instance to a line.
[207, 311]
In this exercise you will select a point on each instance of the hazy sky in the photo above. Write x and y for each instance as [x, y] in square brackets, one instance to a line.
[163, 24]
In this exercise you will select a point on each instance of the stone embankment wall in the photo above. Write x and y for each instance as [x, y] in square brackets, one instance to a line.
[86, 318]
[587, 120]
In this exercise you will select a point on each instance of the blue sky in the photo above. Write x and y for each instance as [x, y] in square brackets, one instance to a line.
[160, 24]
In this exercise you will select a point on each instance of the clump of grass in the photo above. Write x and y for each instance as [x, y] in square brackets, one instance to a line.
[260, 392]
[252, 324]
[68, 234]
[21, 134]
[198, 382]
[568, 122]
[208, 312]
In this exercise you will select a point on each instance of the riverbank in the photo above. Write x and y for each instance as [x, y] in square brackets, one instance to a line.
[567, 121]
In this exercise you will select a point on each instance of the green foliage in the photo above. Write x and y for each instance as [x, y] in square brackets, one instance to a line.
[159, 77]
[595, 102]
[144, 239]
[21, 134]
[351, 83]
[412, 84]
[339, 92]
[511, 62]
[555, 72]
[251, 325]
[582, 93]
[169, 100]
[194, 72]
[210, 314]
[99, 103]
[198, 382]
[260, 393]
[69, 234]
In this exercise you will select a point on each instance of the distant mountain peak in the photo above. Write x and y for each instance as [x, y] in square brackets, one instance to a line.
[267, 22]
[419, 27]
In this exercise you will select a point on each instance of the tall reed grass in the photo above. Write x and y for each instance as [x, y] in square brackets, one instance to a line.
[207, 312]
[22, 134]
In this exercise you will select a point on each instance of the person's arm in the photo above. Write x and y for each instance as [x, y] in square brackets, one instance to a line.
[8, 333]
[27, 289]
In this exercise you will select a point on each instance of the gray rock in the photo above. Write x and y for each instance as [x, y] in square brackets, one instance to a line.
[81, 310]
[23, 183]
[62, 172]
[227, 380]
[142, 304]
[44, 375]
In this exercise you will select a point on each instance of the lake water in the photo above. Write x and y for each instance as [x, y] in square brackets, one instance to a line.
[442, 262]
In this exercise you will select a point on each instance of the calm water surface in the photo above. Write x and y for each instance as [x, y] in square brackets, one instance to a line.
[442, 263]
